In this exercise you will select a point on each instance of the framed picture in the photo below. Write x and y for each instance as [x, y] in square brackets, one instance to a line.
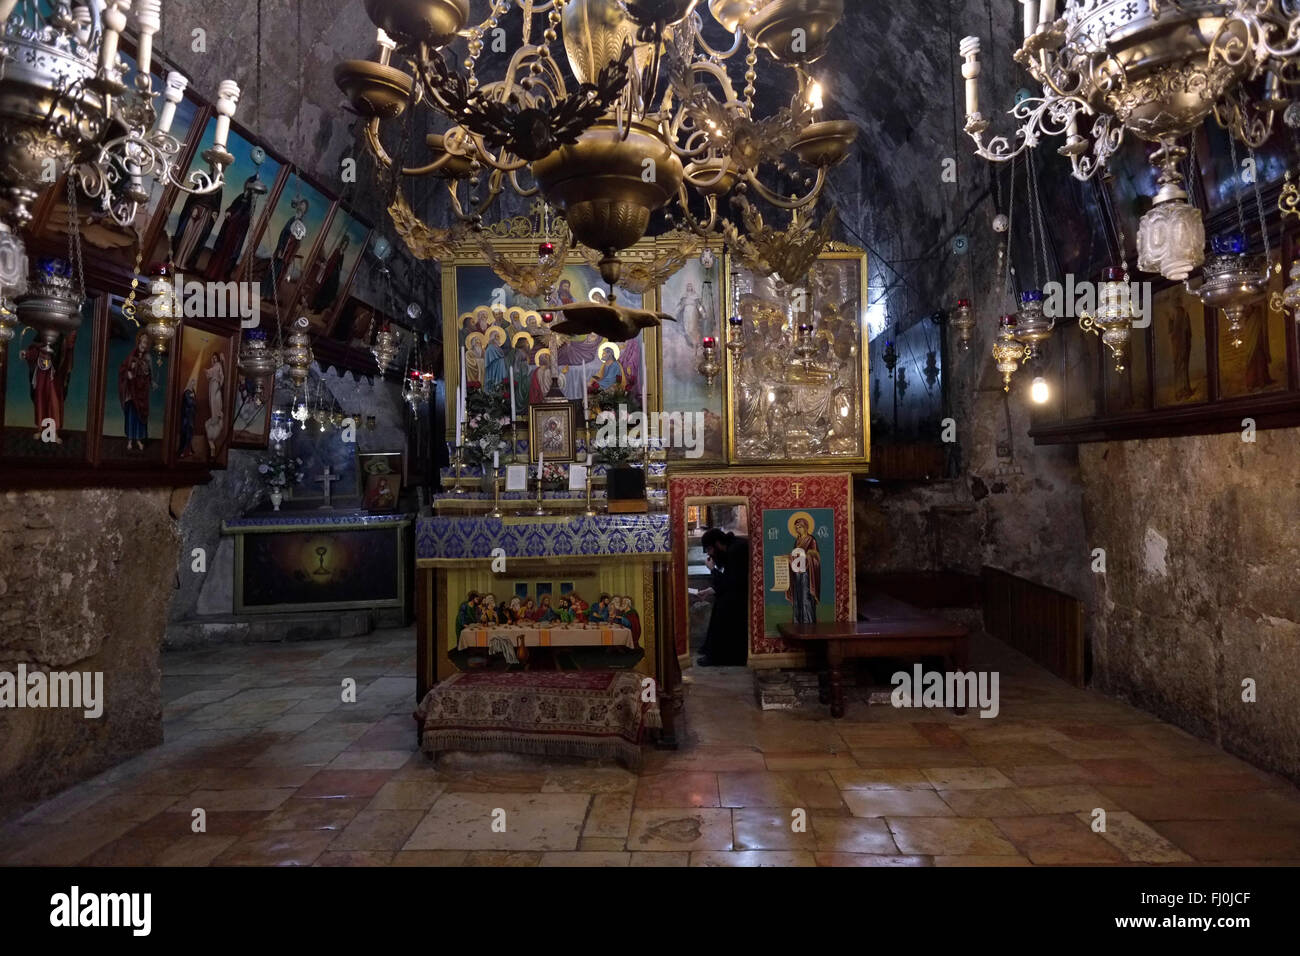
[798, 567]
[50, 390]
[202, 404]
[552, 431]
[694, 296]
[288, 245]
[253, 411]
[134, 423]
[325, 287]
[1178, 341]
[382, 478]
[816, 411]
[208, 235]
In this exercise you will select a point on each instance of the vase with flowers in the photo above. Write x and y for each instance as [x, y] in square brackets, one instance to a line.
[487, 416]
[278, 473]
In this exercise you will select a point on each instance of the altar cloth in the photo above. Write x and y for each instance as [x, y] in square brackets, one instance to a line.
[590, 714]
[565, 636]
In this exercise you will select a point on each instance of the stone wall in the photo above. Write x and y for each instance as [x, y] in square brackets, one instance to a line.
[84, 582]
[1200, 591]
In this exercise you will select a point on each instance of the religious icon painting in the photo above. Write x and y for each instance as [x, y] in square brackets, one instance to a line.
[208, 235]
[798, 387]
[205, 381]
[1178, 346]
[694, 296]
[325, 287]
[134, 422]
[798, 567]
[381, 477]
[552, 432]
[286, 250]
[355, 325]
[48, 395]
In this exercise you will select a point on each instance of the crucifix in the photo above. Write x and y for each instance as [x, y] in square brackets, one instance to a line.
[328, 480]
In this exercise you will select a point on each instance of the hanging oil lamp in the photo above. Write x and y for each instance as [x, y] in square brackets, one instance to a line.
[258, 362]
[298, 356]
[804, 345]
[1290, 297]
[890, 355]
[962, 321]
[1114, 318]
[1234, 281]
[1007, 351]
[161, 309]
[931, 368]
[736, 336]
[385, 347]
[709, 366]
[1033, 326]
[52, 304]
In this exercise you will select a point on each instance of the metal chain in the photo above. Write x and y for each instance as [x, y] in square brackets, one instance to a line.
[74, 236]
[1259, 205]
[1037, 211]
[1236, 172]
[1011, 221]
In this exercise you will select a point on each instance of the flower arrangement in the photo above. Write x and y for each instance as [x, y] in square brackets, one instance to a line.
[609, 399]
[555, 477]
[279, 471]
[487, 416]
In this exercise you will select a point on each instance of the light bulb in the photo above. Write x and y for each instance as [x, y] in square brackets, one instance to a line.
[1039, 391]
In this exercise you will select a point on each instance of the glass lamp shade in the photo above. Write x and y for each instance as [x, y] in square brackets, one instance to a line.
[1033, 326]
[1291, 294]
[963, 322]
[1171, 240]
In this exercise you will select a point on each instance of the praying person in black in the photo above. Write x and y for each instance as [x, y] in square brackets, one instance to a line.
[727, 644]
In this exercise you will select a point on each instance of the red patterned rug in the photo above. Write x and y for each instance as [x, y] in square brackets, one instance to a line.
[591, 714]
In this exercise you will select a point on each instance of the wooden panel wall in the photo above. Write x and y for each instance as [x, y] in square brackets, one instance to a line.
[1044, 624]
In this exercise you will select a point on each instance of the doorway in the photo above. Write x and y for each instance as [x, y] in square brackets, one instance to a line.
[730, 514]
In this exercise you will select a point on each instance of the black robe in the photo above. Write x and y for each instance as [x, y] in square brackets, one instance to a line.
[727, 643]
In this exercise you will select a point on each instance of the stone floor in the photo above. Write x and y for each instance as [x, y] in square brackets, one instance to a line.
[286, 773]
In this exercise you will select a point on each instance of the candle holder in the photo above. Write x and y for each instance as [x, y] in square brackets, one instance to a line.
[496, 497]
[591, 510]
[541, 510]
[460, 470]
[514, 442]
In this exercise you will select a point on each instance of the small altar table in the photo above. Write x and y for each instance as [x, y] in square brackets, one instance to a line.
[889, 628]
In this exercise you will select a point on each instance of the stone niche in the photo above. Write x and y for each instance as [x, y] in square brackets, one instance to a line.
[84, 581]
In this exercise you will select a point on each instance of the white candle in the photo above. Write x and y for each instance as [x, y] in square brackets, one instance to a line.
[586, 417]
[541, 461]
[514, 413]
[458, 418]
[645, 390]
[1031, 16]
[1047, 13]
[496, 460]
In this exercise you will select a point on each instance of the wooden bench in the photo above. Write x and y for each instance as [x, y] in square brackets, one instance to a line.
[889, 628]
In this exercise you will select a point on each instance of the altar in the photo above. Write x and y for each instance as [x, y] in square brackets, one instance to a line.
[569, 591]
[322, 561]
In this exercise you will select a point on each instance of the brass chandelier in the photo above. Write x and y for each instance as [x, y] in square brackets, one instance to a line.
[611, 111]
[1153, 68]
[66, 108]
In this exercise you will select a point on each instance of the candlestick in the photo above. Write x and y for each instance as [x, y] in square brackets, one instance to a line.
[460, 463]
[591, 511]
[514, 443]
[496, 496]
[459, 418]
[586, 416]
[540, 509]
[514, 413]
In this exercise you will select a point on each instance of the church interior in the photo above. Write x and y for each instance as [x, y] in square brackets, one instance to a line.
[620, 433]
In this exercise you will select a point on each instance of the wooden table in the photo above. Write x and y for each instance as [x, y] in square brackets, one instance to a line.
[889, 628]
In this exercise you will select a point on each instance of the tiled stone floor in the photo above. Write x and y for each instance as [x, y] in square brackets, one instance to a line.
[287, 774]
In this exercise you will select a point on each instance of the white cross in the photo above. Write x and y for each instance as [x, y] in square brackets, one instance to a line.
[328, 479]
